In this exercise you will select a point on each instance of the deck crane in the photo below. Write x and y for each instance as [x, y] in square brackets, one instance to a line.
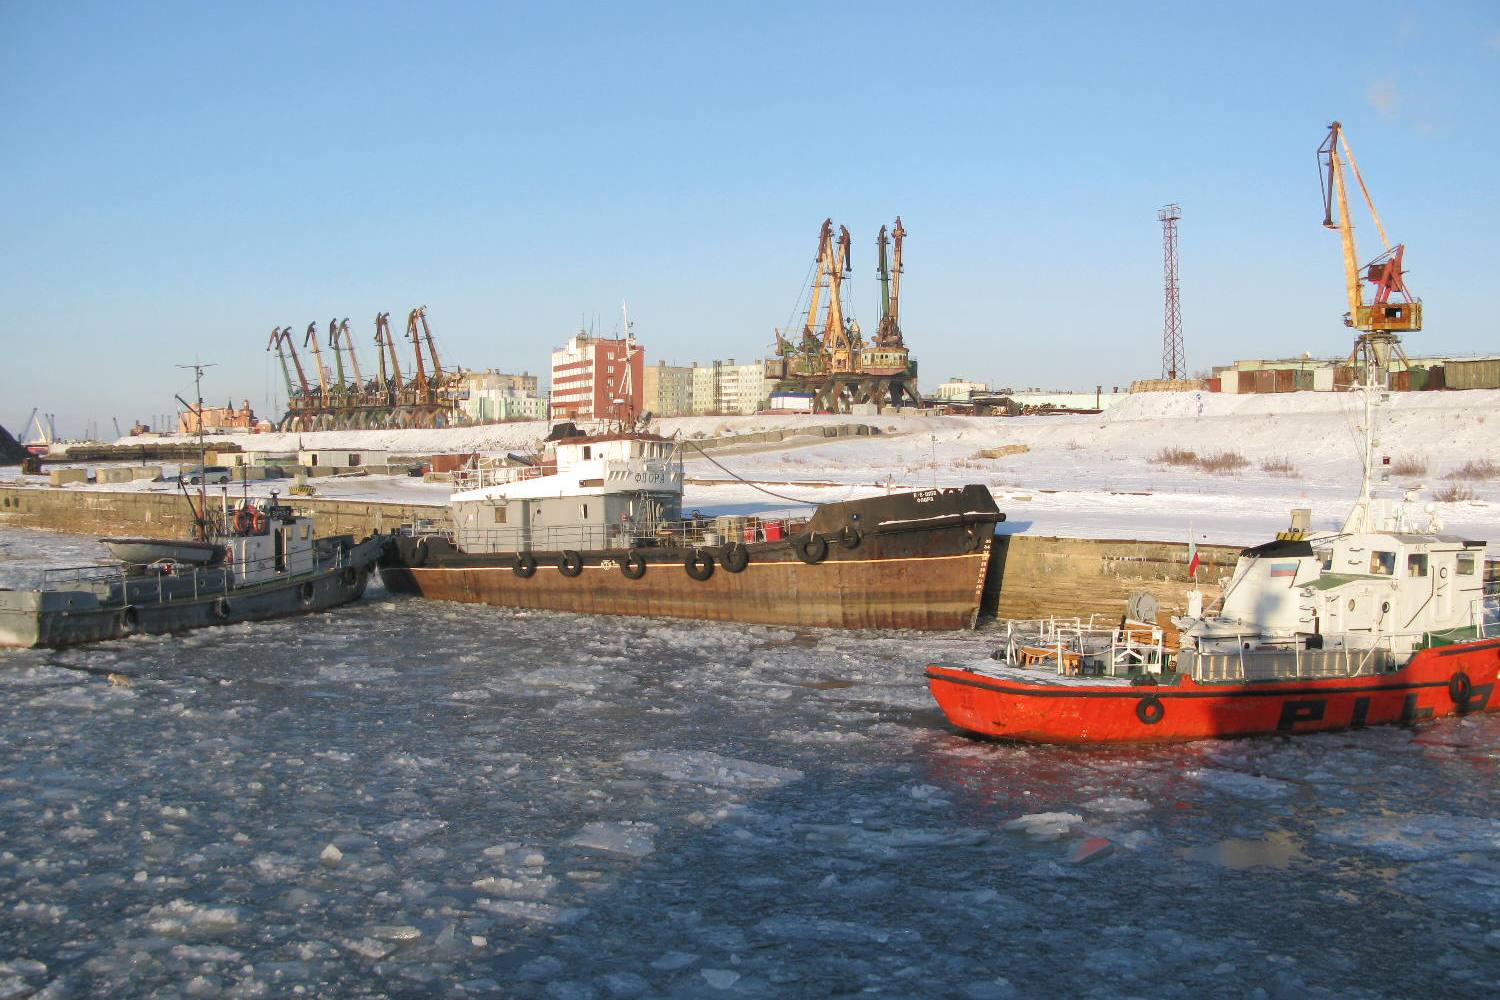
[1393, 310]
[348, 341]
[311, 337]
[841, 340]
[416, 343]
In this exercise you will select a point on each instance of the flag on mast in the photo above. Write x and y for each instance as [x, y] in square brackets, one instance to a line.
[1192, 558]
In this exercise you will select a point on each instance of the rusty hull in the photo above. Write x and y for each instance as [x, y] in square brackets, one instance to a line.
[919, 562]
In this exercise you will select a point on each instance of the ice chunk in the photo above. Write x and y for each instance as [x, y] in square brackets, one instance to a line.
[531, 912]
[707, 768]
[394, 932]
[541, 967]
[1415, 838]
[331, 856]
[1240, 785]
[799, 928]
[180, 917]
[630, 838]
[526, 886]
[720, 979]
[370, 948]
[1045, 826]
[673, 960]
[1119, 805]
[1090, 850]
[625, 985]
[411, 829]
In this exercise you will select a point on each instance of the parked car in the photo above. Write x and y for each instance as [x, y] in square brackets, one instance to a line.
[208, 475]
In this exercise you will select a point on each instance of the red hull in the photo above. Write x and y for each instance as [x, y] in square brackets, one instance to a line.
[1446, 680]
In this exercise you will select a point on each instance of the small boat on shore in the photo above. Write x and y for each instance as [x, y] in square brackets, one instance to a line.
[1387, 620]
[594, 524]
[267, 562]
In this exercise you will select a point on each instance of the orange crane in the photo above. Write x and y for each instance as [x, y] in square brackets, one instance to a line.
[1392, 309]
[311, 337]
[416, 343]
[385, 342]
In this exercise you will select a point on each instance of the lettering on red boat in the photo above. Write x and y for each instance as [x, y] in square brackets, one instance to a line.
[1304, 710]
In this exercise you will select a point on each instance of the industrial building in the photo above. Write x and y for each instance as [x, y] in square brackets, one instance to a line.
[492, 396]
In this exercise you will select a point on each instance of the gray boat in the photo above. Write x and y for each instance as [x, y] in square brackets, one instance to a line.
[271, 565]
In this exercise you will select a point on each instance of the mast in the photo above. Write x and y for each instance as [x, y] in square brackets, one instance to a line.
[200, 513]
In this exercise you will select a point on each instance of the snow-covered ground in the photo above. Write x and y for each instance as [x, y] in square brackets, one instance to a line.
[417, 799]
[1081, 476]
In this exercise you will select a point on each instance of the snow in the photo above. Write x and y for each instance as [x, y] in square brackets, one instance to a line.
[647, 808]
[1085, 476]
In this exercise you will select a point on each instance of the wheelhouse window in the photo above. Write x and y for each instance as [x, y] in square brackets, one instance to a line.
[1383, 563]
[1416, 564]
[499, 513]
[586, 452]
[1466, 564]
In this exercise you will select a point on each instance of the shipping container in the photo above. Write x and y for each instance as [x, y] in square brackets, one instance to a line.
[1483, 374]
[1286, 380]
[1401, 381]
[1344, 376]
[1265, 381]
[1437, 377]
[1230, 382]
[1214, 384]
[1322, 379]
[1304, 380]
[1418, 379]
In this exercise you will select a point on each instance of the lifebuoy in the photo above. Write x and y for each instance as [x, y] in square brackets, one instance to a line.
[699, 564]
[633, 566]
[221, 608]
[130, 618]
[1150, 710]
[812, 548]
[305, 592]
[1459, 688]
[735, 557]
[525, 565]
[850, 537]
[258, 521]
[570, 563]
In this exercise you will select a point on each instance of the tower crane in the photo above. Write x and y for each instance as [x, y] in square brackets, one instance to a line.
[1393, 309]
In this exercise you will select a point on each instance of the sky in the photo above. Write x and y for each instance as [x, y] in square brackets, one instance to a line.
[178, 179]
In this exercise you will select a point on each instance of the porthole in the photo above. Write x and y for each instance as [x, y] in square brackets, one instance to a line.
[1385, 606]
[1442, 572]
[1351, 604]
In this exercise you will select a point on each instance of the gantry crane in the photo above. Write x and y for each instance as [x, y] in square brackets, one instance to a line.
[281, 340]
[384, 339]
[311, 337]
[348, 339]
[338, 357]
[420, 383]
[1393, 310]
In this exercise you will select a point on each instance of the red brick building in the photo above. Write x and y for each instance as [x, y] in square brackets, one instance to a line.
[596, 379]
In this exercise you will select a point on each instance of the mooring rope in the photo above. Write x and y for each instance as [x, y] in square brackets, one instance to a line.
[754, 486]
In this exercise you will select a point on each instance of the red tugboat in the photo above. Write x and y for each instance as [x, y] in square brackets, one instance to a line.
[1386, 620]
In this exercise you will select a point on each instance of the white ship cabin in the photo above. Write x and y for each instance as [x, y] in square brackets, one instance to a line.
[1389, 580]
[266, 541]
[586, 493]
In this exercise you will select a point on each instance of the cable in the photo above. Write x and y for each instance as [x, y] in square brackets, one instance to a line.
[754, 486]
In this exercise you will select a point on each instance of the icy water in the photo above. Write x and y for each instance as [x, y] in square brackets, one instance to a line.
[411, 799]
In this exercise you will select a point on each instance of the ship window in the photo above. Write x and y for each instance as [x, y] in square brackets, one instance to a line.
[1416, 564]
[1465, 564]
[586, 455]
[499, 511]
[1383, 563]
[585, 512]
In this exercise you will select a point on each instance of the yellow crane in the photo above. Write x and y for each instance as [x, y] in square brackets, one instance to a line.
[1393, 309]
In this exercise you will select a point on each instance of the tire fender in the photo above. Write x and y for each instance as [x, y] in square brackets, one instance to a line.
[525, 565]
[699, 564]
[811, 549]
[570, 563]
[633, 566]
[735, 557]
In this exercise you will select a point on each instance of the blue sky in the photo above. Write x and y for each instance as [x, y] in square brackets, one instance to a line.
[180, 178]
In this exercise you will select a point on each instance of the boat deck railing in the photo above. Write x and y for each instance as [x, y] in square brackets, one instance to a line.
[1073, 645]
[690, 532]
[494, 472]
[164, 582]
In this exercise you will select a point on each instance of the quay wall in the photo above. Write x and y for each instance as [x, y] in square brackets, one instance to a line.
[1031, 576]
